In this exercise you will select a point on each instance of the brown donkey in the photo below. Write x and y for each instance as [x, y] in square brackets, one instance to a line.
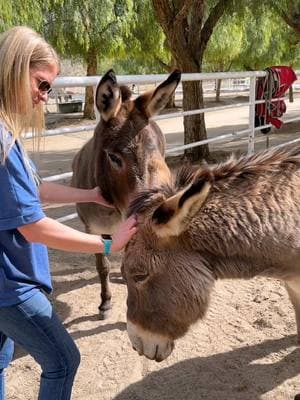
[125, 155]
[238, 219]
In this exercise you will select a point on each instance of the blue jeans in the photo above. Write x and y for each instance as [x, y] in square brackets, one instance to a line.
[35, 326]
[6, 354]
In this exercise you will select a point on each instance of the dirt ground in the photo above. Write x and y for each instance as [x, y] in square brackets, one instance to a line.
[245, 348]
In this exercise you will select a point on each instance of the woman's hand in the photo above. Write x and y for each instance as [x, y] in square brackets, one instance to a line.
[125, 232]
[99, 199]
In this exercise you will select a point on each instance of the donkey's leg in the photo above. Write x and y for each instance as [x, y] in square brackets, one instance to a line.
[102, 265]
[293, 289]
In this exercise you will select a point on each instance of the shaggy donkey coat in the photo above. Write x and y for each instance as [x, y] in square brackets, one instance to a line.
[238, 219]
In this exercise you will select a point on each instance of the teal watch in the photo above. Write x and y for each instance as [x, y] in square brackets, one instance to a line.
[107, 246]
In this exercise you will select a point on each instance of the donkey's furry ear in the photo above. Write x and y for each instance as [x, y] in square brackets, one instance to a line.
[126, 93]
[173, 216]
[108, 97]
[162, 93]
[153, 102]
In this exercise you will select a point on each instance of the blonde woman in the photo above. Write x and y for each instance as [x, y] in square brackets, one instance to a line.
[28, 66]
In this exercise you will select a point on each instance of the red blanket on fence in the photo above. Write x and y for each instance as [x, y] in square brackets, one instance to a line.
[273, 86]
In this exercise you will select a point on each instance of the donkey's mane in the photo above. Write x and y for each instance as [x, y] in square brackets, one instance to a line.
[262, 163]
[267, 161]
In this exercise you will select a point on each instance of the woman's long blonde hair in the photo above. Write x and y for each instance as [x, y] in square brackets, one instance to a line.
[21, 49]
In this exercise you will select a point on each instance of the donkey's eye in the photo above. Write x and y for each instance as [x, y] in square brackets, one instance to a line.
[115, 159]
[138, 278]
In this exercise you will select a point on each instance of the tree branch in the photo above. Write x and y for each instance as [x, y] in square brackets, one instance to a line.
[195, 26]
[287, 19]
[209, 25]
[163, 13]
[183, 12]
[163, 64]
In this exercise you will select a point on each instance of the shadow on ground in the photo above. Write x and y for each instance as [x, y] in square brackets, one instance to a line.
[240, 374]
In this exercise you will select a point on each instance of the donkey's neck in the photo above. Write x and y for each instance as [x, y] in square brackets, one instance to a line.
[275, 263]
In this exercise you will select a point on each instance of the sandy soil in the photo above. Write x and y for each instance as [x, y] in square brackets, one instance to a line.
[245, 349]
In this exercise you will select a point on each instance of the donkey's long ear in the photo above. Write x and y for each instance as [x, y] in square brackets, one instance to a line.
[108, 97]
[152, 103]
[173, 216]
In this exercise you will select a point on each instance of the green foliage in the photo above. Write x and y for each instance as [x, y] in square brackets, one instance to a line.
[284, 8]
[225, 44]
[125, 34]
[76, 27]
[147, 43]
[144, 51]
[268, 40]
[20, 12]
[254, 38]
[132, 66]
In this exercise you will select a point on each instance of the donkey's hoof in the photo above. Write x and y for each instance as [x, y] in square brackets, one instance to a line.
[103, 314]
[104, 309]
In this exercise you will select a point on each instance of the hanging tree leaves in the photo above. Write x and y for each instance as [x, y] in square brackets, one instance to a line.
[20, 12]
[90, 30]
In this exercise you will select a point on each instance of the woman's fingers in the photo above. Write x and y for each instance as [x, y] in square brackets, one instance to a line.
[125, 232]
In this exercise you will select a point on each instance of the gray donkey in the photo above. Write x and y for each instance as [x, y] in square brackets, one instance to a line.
[238, 219]
[125, 155]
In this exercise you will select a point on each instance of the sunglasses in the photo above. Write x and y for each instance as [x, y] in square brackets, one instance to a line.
[44, 86]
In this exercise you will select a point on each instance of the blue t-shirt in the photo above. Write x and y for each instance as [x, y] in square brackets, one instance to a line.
[24, 266]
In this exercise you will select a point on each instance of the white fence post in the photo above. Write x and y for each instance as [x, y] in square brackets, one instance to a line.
[251, 136]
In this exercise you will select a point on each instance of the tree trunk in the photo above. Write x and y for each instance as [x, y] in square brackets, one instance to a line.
[88, 111]
[188, 29]
[194, 125]
[218, 90]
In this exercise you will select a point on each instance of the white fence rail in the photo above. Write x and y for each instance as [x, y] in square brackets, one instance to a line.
[63, 82]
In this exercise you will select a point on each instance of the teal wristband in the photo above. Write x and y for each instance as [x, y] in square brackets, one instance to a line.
[107, 245]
